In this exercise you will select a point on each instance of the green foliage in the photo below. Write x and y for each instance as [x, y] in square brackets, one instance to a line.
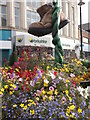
[86, 63]
[13, 56]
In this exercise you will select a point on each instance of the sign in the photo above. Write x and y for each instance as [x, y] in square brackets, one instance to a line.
[31, 40]
[25, 39]
[5, 45]
[85, 47]
[67, 43]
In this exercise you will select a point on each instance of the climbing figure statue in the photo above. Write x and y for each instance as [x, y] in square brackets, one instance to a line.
[48, 23]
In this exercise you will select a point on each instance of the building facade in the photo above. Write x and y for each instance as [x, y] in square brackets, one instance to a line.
[85, 39]
[16, 16]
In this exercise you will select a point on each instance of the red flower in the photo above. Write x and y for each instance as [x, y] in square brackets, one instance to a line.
[35, 68]
[28, 88]
[42, 71]
[23, 88]
[74, 83]
[55, 73]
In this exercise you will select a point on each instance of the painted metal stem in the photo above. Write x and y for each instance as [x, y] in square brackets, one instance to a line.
[56, 39]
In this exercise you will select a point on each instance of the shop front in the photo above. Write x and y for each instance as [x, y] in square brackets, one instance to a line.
[5, 46]
[44, 44]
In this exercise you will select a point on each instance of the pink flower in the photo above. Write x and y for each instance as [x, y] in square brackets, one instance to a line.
[72, 75]
[39, 92]
[35, 94]
[63, 99]
[51, 88]
[42, 89]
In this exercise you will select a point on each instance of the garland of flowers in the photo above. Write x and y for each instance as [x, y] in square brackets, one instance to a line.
[56, 39]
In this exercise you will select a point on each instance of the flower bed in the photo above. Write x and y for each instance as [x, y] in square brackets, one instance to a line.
[49, 91]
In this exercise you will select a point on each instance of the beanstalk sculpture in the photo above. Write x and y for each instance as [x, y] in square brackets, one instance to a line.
[55, 29]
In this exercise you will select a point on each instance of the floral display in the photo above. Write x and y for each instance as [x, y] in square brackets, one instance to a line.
[48, 91]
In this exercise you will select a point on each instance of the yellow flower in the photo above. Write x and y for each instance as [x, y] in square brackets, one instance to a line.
[11, 88]
[72, 116]
[81, 79]
[67, 81]
[72, 60]
[8, 81]
[75, 60]
[30, 100]
[32, 112]
[56, 92]
[37, 82]
[11, 85]
[66, 69]
[65, 65]
[6, 86]
[70, 99]
[43, 92]
[72, 107]
[44, 99]
[14, 86]
[1, 93]
[11, 92]
[50, 92]
[67, 114]
[3, 106]
[29, 104]
[79, 63]
[47, 67]
[17, 70]
[71, 70]
[37, 98]
[25, 107]
[66, 91]
[2, 90]
[21, 105]
[50, 98]
[6, 68]
[68, 110]
[79, 110]
[14, 105]
[45, 84]
[33, 103]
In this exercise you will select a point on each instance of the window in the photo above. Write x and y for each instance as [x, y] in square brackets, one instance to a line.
[49, 1]
[32, 17]
[67, 15]
[28, 18]
[72, 21]
[29, 3]
[17, 14]
[85, 40]
[3, 15]
[33, 3]
[3, 2]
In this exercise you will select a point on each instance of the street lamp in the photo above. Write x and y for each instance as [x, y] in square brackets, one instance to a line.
[80, 4]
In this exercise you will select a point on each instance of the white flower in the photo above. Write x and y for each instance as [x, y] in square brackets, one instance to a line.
[46, 81]
[20, 79]
[52, 75]
[60, 78]
[83, 92]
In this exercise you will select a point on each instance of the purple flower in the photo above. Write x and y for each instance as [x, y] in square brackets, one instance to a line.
[56, 80]
[16, 88]
[83, 113]
[72, 75]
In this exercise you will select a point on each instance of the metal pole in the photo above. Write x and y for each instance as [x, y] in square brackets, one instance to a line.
[81, 31]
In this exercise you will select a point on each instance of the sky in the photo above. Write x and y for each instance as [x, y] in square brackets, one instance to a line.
[85, 16]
